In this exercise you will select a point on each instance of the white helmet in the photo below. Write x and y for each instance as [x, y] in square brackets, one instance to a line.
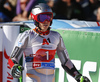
[41, 12]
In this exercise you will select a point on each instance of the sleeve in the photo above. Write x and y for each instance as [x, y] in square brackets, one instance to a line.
[65, 60]
[30, 4]
[18, 8]
[20, 45]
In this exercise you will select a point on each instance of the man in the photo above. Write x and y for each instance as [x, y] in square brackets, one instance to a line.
[98, 14]
[39, 46]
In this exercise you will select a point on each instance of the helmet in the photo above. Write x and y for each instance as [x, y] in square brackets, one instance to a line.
[40, 13]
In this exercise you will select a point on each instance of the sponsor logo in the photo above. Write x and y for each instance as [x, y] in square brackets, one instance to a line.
[19, 43]
[5, 54]
[48, 65]
[35, 65]
[88, 68]
[9, 77]
[45, 42]
[1, 61]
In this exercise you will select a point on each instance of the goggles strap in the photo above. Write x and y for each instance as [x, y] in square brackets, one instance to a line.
[32, 15]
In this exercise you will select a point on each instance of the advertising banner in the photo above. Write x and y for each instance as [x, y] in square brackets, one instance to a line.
[81, 39]
[84, 51]
[10, 34]
[1, 55]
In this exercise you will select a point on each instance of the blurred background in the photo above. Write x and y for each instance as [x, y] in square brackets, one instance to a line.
[19, 10]
[82, 39]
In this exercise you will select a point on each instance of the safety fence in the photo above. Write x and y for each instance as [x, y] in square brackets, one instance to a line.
[83, 47]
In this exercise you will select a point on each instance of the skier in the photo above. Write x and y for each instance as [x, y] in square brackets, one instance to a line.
[39, 46]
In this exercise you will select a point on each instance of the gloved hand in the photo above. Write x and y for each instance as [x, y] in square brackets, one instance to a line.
[16, 71]
[81, 78]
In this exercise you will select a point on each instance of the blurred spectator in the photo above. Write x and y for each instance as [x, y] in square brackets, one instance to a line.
[13, 2]
[7, 10]
[19, 10]
[41, 1]
[98, 14]
[51, 3]
[23, 9]
[86, 8]
[68, 9]
[59, 10]
[94, 4]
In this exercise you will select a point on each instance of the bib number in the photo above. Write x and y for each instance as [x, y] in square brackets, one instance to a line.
[47, 54]
[43, 55]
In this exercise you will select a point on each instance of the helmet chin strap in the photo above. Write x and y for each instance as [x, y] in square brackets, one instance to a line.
[48, 27]
[37, 24]
[42, 33]
[41, 29]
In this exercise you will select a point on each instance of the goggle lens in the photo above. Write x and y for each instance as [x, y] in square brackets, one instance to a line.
[43, 17]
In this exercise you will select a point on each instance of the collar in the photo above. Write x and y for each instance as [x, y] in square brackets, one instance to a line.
[40, 32]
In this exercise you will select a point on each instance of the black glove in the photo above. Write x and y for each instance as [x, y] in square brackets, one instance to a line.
[81, 78]
[16, 71]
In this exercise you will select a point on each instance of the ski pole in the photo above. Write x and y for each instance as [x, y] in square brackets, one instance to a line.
[20, 68]
[20, 79]
[82, 79]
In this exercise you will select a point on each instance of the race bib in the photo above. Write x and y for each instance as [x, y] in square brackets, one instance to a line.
[43, 55]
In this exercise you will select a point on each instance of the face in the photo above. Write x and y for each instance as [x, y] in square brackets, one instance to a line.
[44, 26]
[51, 3]
[98, 14]
[68, 1]
[93, 1]
[79, 1]
[23, 4]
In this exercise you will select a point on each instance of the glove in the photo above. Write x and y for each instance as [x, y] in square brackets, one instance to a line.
[16, 71]
[84, 79]
[81, 78]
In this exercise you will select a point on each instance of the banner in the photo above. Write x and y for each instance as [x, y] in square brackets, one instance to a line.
[77, 25]
[81, 39]
[84, 51]
[10, 34]
[1, 56]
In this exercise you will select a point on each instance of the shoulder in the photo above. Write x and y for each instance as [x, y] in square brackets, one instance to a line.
[55, 33]
[28, 32]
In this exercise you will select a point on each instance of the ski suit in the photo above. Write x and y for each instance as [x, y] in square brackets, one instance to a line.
[39, 51]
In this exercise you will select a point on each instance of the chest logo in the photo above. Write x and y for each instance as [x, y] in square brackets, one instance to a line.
[46, 42]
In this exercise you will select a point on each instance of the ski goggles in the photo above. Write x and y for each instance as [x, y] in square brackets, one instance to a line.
[43, 17]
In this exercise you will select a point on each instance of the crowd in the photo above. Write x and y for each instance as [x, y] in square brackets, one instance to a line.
[19, 10]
